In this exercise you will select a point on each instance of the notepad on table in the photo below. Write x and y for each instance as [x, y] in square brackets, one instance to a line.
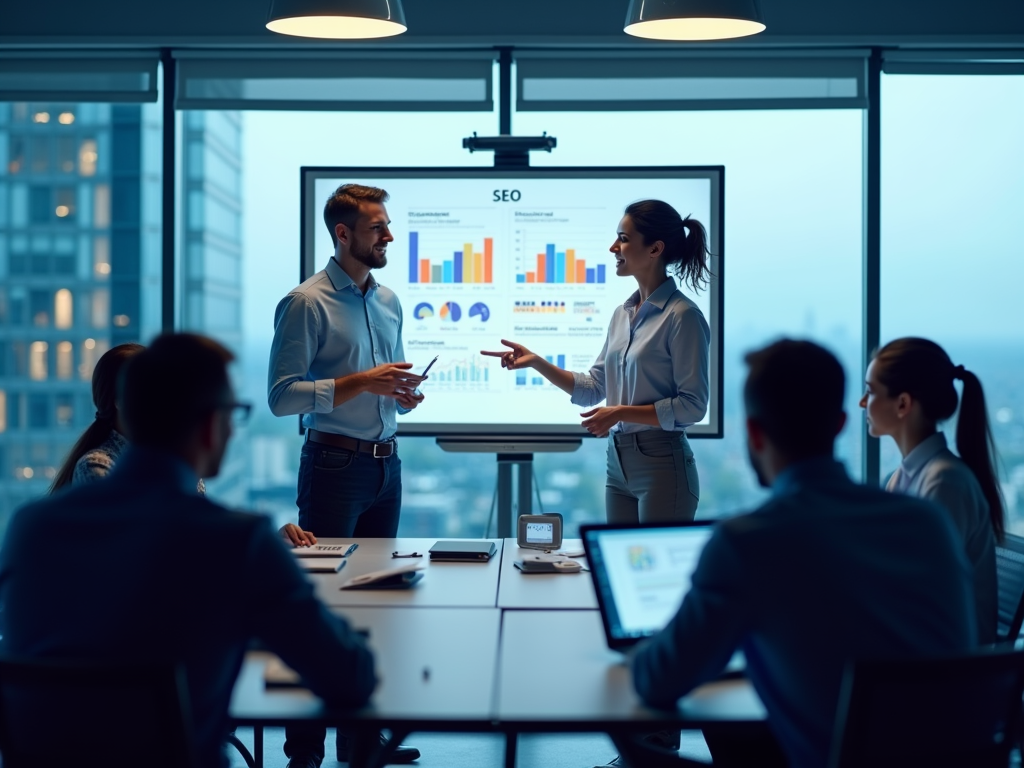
[325, 550]
[321, 564]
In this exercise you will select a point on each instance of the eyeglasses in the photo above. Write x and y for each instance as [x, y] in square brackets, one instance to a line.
[240, 412]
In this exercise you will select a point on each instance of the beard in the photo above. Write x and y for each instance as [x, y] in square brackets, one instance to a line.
[762, 479]
[365, 254]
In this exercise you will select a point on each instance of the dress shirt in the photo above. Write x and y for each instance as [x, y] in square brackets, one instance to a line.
[825, 572]
[150, 572]
[655, 352]
[323, 330]
[932, 471]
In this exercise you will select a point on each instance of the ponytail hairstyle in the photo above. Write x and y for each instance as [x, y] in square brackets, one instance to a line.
[686, 240]
[104, 396]
[923, 370]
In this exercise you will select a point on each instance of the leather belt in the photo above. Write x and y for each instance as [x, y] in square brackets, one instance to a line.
[377, 450]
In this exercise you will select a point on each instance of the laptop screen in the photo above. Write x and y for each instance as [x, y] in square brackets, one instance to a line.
[641, 575]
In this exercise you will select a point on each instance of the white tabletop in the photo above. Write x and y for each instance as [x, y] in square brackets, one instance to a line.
[543, 590]
[435, 665]
[556, 667]
[444, 585]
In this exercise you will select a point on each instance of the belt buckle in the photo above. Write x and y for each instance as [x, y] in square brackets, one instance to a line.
[381, 446]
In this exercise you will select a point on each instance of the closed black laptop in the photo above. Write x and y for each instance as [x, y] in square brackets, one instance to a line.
[472, 551]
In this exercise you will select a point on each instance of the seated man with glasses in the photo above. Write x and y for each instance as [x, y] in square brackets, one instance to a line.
[140, 568]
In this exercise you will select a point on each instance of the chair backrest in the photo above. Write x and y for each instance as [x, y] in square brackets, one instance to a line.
[61, 713]
[1010, 574]
[942, 713]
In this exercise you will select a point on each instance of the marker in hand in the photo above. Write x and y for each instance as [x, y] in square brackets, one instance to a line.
[429, 366]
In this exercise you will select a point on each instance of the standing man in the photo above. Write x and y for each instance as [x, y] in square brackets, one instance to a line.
[338, 359]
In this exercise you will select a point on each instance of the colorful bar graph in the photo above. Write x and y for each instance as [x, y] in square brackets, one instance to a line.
[555, 266]
[466, 265]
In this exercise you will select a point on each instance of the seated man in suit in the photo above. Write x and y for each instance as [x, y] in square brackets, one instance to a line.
[152, 572]
[826, 571]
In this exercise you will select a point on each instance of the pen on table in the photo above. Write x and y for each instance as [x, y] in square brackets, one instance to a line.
[350, 550]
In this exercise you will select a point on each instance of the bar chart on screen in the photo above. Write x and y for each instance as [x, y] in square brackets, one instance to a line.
[467, 262]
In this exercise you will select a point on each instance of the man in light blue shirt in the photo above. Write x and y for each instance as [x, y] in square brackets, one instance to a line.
[338, 360]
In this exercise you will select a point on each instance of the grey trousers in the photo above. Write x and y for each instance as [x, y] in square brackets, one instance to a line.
[652, 477]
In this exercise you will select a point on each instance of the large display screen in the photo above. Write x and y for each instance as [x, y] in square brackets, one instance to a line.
[482, 254]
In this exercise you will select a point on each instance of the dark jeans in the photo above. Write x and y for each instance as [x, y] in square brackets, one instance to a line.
[343, 494]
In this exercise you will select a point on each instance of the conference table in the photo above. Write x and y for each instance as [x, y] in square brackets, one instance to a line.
[481, 647]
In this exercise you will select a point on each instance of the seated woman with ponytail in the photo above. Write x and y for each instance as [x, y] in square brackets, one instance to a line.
[98, 449]
[909, 392]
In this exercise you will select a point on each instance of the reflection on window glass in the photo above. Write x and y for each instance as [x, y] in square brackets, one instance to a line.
[63, 311]
[65, 360]
[952, 254]
[37, 360]
[65, 199]
[100, 308]
[101, 206]
[64, 410]
[101, 257]
[87, 155]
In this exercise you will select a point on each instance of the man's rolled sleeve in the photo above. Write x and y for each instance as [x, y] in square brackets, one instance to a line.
[296, 341]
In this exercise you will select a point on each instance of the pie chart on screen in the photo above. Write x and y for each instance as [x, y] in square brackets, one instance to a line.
[451, 312]
[423, 310]
[480, 310]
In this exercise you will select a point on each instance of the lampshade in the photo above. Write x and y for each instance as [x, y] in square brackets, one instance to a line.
[337, 19]
[693, 19]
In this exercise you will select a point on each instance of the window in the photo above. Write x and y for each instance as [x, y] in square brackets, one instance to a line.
[37, 363]
[792, 253]
[65, 360]
[63, 311]
[952, 255]
[38, 411]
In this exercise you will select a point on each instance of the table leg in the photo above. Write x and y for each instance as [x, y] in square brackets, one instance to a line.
[257, 745]
[511, 744]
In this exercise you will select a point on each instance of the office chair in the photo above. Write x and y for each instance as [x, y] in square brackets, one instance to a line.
[943, 713]
[1010, 575]
[59, 713]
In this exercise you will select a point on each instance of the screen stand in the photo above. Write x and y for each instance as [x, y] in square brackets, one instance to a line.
[509, 509]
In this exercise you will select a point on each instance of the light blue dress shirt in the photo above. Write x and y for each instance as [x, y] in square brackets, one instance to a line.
[323, 330]
[932, 471]
[655, 352]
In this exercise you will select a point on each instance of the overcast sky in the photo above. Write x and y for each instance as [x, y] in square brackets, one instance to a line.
[953, 199]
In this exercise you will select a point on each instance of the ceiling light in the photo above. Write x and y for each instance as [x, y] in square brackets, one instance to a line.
[337, 19]
[693, 19]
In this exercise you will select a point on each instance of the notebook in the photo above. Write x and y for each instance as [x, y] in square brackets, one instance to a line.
[402, 577]
[321, 564]
[325, 550]
[465, 551]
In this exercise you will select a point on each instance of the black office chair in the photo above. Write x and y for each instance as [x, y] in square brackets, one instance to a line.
[943, 713]
[1010, 575]
[55, 714]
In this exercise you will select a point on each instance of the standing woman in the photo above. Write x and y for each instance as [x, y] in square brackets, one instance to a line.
[909, 391]
[652, 372]
[99, 447]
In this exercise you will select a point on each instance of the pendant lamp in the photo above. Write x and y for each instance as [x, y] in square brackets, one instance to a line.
[337, 19]
[693, 19]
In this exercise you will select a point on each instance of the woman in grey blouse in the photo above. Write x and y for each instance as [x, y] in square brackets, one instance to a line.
[909, 392]
[653, 370]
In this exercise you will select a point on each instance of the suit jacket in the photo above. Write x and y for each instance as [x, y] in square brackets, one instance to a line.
[826, 572]
[138, 567]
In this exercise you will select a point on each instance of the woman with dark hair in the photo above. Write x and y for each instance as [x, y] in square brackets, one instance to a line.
[909, 392]
[101, 445]
[96, 451]
[653, 370]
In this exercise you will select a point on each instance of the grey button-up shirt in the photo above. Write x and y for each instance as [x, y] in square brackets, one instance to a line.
[655, 352]
[932, 471]
[323, 330]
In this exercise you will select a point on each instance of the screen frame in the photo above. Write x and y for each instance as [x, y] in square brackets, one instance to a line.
[310, 217]
[624, 643]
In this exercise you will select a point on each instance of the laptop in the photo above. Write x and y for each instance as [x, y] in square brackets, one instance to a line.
[641, 574]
